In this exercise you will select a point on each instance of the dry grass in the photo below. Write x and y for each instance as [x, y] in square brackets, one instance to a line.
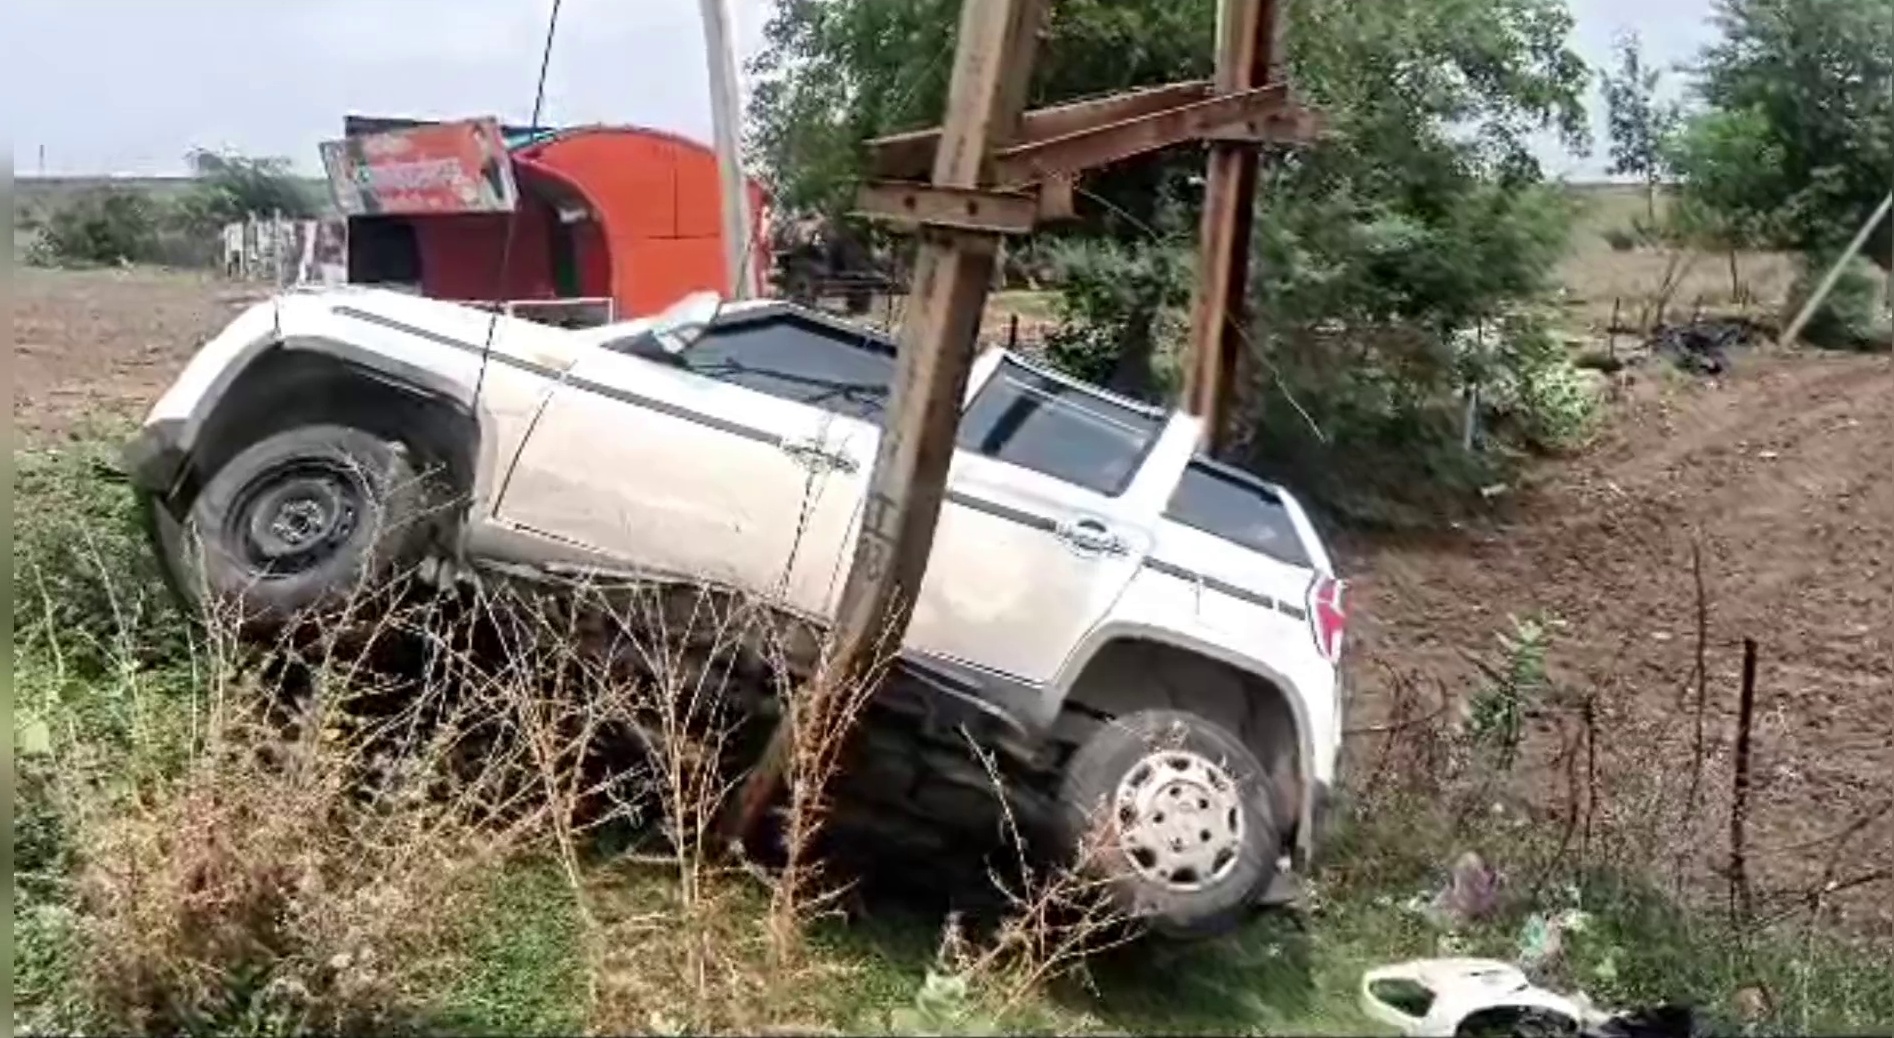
[1652, 283]
[271, 896]
[545, 771]
[1619, 815]
[350, 797]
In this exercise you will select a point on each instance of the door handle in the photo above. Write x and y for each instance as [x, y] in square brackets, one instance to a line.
[811, 454]
[1091, 537]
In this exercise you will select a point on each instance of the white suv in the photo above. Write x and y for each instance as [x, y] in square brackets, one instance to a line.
[1158, 631]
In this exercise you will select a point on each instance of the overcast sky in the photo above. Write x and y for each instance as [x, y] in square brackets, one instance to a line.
[127, 86]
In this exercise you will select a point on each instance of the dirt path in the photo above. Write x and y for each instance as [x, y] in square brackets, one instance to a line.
[1784, 475]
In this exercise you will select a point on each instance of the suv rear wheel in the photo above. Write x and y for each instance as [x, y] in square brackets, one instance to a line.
[1175, 815]
[298, 523]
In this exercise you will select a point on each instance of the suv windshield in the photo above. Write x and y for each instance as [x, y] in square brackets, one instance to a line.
[1062, 429]
[789, 356]
[1237, 507]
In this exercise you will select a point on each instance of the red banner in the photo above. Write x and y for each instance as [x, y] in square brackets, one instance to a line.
[458, 167]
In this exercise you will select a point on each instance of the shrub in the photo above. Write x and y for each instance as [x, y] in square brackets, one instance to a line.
[1853, 317]
[269, 896]
[1621, 240]
[1338, 415]
[100, 226]
[1515, 684]
[1532, 389]
[1119, 311]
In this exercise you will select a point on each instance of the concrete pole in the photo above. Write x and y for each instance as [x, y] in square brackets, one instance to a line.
[726, 112]
[953, 269]
[1815, 301]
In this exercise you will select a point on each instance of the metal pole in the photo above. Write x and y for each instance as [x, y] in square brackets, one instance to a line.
[1815, 301]
[1741, 909]
[1247, 55]
[726, 113]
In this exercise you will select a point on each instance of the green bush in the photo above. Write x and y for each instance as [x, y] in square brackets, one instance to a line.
[1534, 396]
[111, 225]
[1369, 336]
[100, 227]
[1853, 317]
[229, 188]
[1514, 685]
[1119, 310]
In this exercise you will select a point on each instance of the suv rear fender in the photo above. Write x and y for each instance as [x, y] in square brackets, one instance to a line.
[1300, 704]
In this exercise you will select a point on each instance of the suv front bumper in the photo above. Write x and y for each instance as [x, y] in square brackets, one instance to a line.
[154, 457]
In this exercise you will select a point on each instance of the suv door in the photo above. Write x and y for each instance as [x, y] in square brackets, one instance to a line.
[1045, 523]
[703, 465]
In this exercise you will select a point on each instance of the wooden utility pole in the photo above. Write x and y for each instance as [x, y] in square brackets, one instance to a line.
[726, 115]
[952, 273]
[992, 169]
[992, 64]
[1248, 57]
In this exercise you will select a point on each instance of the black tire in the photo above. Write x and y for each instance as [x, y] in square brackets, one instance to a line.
[168, 541]
[297, 524]
[1189, 905]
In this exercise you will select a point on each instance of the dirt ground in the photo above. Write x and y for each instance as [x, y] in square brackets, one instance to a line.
[103, 344]
[1782, 474]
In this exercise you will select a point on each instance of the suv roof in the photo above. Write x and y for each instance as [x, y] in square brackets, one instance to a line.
[762, 311]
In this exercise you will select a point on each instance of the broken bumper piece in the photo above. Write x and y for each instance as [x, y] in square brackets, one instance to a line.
[154, 457]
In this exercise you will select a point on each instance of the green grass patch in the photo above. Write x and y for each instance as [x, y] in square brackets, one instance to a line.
[522, 964]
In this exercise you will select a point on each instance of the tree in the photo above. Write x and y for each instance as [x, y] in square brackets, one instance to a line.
[229, 188]
[835, 73]
[1422, 216]
[1794, 139]
[1727, 204]
[1639, 124]
[1400, 259]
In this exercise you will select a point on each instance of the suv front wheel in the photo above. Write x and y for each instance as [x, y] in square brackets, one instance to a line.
[1173, 813]
[298, 523]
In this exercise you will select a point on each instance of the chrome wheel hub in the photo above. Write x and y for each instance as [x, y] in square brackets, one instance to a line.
[1180, 819]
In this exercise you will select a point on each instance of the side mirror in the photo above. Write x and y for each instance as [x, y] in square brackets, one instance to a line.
[684, 322]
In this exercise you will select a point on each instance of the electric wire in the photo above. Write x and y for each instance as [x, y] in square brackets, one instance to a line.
[513, 217]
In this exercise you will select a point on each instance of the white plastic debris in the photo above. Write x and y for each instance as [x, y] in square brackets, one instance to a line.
[1430, 998]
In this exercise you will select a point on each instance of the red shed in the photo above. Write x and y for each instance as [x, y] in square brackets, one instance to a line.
[628, 214]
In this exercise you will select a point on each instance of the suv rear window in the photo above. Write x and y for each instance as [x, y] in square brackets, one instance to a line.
[794, 360]
[1062, 430]
[1231, 505]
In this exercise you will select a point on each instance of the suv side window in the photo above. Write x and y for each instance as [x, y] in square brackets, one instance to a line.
[1054, 427]
[789, 359]
[1228, 504]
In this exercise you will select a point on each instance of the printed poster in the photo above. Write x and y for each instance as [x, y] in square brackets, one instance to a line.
[457, 167]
